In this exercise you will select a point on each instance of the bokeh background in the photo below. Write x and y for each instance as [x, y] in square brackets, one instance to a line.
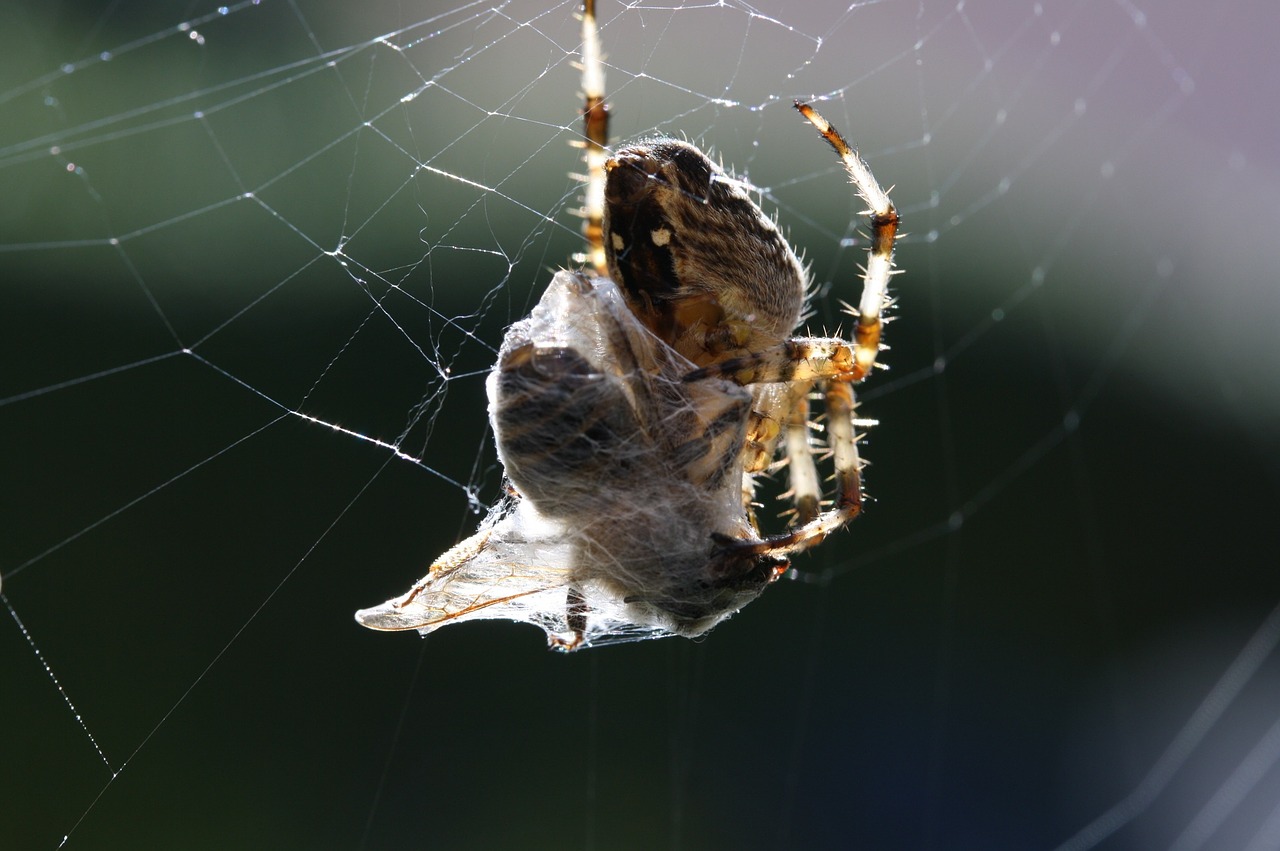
[245, 249]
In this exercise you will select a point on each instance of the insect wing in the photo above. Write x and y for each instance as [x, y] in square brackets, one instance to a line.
[493, 575]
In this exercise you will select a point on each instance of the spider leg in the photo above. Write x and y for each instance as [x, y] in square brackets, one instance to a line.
[833, 364]
[884, 230]
[848, 465]
[595, 116]
[780, 412]
[806, 493]
[762, 438]
[803, 359]
[844, 447]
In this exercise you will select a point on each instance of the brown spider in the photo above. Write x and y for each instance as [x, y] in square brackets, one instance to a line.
[635, 406]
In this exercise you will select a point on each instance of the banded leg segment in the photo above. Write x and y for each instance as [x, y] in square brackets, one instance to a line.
[884, 222]
[805, 359]
[595, 119]
[840, 406]
[806, 490]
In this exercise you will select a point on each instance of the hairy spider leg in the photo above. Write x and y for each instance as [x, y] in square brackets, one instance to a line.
[884, 230]
[832, 364]
[595, 119]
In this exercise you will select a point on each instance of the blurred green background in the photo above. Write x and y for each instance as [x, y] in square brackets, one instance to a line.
[206, 231]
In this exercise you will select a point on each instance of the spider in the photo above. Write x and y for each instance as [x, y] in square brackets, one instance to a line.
[635, 406]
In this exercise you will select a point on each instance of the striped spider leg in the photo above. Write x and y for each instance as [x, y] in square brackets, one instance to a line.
[829, 363]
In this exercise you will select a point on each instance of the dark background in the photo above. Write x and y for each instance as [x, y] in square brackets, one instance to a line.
[1075, 473]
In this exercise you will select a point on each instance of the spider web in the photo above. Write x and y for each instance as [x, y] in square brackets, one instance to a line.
[255, 261]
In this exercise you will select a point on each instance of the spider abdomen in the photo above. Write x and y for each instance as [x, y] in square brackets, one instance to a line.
[700, 263]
